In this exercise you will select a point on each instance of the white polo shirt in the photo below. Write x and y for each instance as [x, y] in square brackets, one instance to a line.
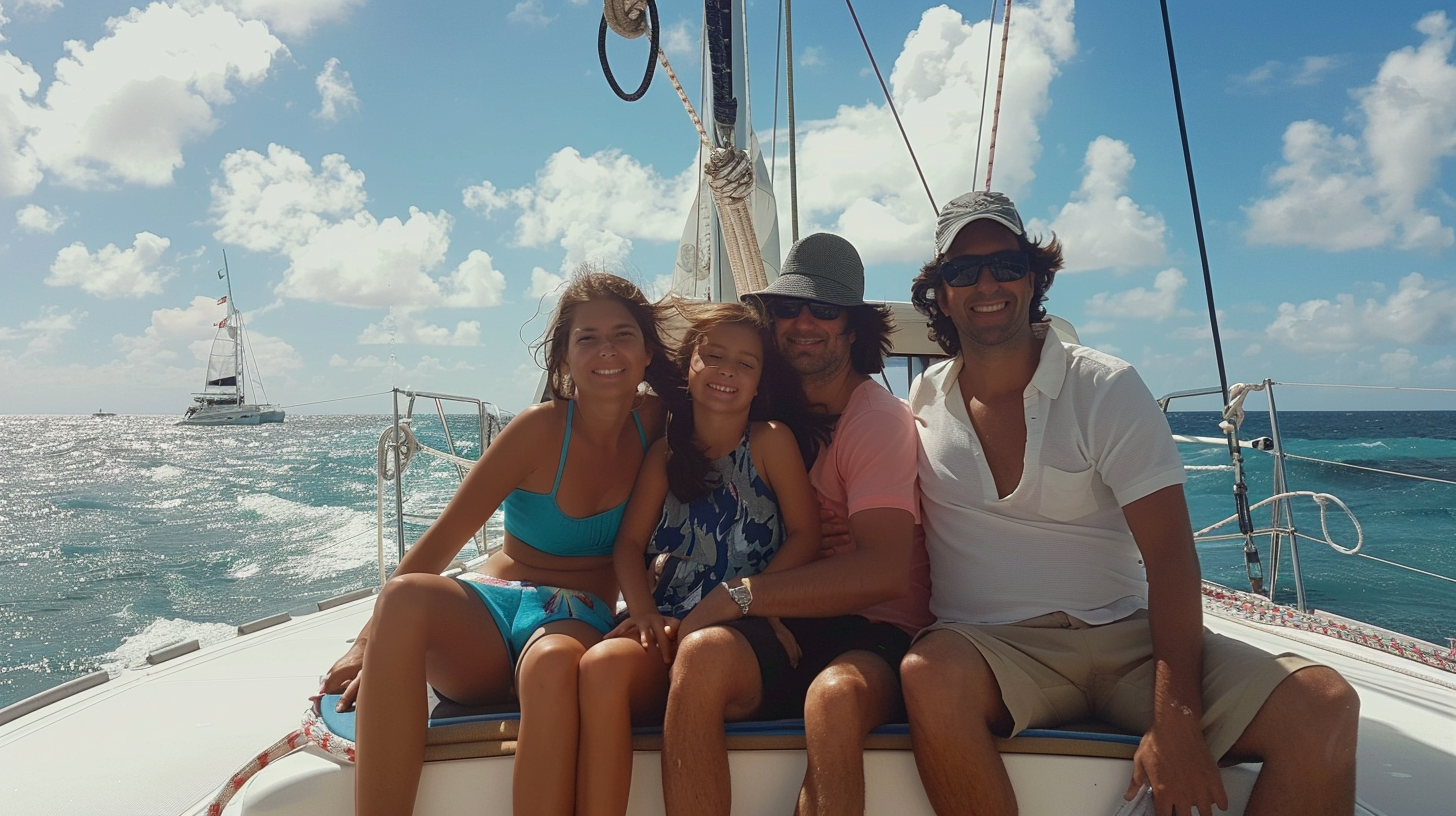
[1095, 441]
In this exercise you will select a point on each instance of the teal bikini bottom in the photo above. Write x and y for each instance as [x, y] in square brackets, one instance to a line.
[519, 608]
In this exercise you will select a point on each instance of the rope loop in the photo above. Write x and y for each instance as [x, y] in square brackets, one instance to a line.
[1233, 413]
[626, 18]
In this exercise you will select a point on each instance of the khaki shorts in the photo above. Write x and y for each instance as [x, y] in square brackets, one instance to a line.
[1055, 669]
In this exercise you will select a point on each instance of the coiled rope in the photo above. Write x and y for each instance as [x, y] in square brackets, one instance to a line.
[627, 18]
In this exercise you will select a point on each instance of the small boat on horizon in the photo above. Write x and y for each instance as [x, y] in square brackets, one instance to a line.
[222, 400]
[102, 412]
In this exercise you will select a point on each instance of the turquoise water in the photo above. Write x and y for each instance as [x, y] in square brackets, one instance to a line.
[121, 535]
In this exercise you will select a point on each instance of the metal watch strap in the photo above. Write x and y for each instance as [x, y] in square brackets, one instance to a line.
[741, 595]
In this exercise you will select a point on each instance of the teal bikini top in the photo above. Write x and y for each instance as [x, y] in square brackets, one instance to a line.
[535, 518]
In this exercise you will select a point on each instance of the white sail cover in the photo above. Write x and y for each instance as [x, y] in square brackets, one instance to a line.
[693, 274]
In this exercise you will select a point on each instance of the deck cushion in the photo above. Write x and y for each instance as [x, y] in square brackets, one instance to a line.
[476, 735]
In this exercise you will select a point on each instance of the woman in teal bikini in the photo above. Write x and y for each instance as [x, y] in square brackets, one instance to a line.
[561, 471]
[719, 499]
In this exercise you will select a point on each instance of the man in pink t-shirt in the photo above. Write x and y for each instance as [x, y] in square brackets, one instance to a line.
[852, 613]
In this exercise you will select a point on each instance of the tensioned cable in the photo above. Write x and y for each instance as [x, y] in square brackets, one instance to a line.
[793, 136]
[891, 103]
[985, 83]
[1371, 387]
[1000, 79]
[1193, 195]
[773, 150]
[336, 399]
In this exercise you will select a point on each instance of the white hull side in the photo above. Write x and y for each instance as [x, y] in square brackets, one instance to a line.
[165, 738]
[239, 415]
[764, 782]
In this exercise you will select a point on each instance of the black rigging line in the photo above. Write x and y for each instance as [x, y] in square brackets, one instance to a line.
[653, 37]
[891, 103]
[1193, 195]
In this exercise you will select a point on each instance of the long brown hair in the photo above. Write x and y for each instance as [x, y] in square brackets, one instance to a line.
[590, 284]
[780, 395]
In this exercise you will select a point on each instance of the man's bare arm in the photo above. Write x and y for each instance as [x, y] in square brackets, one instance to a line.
[1173, 757]
[877, 570]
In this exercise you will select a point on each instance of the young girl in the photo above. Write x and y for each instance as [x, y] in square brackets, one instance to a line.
[721, 498]
[561, 471]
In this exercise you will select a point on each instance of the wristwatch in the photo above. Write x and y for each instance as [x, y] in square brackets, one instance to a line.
[741, 594]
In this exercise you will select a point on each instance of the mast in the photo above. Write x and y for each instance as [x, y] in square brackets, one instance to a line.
[235, 331]
[731, 15]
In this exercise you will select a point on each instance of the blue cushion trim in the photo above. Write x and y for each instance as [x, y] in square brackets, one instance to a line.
[342, 724]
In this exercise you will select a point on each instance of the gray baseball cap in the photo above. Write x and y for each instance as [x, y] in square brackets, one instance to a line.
[820, 267]
[974, 206]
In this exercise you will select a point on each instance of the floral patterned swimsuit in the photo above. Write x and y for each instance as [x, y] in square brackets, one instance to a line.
[732, 532]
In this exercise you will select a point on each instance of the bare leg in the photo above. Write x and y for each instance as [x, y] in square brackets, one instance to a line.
[1305, 734]
[544, 777]
[422, 624]
[622, 684]
[852, 696]
[955, 707]
[714, 680]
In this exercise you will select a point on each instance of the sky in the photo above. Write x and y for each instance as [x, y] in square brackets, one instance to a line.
[400, 188]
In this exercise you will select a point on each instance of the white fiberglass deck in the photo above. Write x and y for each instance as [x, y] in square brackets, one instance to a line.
[162, 739]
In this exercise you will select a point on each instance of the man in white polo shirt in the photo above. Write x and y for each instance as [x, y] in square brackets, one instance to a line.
[1063, 574]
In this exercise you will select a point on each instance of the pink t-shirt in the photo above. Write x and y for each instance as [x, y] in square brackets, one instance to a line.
[872, 462]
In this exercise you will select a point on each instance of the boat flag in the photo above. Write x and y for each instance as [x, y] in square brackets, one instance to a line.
[222, 324]
[222, 300]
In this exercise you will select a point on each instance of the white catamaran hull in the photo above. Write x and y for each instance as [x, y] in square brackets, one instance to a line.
[236, 415]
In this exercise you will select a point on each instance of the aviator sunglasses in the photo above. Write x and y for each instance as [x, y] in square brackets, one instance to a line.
[1007, 266]
[784, 308]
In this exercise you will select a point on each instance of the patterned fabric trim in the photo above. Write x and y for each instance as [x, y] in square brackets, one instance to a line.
[1231, 603]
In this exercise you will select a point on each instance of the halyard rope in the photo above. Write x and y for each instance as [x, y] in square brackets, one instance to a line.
[730, 179]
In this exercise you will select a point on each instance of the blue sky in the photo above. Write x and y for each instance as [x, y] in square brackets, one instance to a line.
[399, 187]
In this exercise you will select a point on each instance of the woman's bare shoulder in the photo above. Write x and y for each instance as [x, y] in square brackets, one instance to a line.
[535, 425]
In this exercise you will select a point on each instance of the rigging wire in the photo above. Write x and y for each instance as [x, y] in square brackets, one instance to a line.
[1193, 196]
[1000, 82]
[793, 137]
[985, 75]
[773, 148]
[891, 103]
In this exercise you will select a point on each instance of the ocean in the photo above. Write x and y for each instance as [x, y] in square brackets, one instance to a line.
[121, 535]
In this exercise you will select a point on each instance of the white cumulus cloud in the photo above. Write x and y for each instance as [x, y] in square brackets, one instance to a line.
[293, 18]
[45, 332]
[336, 92]
[158, 352]
[940, 66]
[1419, 312]
[1140, 303]
[20, 169]
[1102, 227]
[1340, 191]
[112, 272]
[38, 219]
[404, 326]
[529, 12]
[122, 109]
[338, 251]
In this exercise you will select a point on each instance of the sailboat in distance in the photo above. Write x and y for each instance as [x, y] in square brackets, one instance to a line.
[222, 400]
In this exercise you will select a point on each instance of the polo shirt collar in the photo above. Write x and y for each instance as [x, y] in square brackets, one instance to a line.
[1051, 369]
[1050, 374]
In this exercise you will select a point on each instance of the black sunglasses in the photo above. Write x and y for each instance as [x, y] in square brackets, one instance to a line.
[1007, 266]
[783, 308]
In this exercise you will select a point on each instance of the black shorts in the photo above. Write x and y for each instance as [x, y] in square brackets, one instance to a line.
[821, 640]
